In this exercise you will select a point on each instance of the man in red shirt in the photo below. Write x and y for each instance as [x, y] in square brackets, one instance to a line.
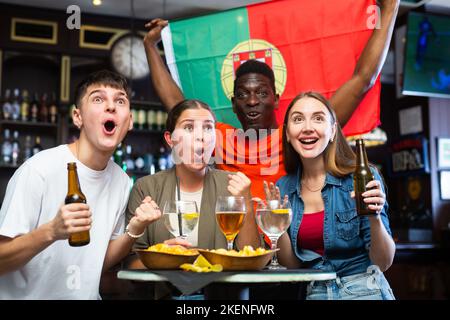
[258, 153]
[256, 148]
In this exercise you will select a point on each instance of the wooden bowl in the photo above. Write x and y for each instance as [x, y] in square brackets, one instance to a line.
[234, 263]
[163, 260]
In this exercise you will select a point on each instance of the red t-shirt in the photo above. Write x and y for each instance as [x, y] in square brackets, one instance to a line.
[310, 234]
[259, 160]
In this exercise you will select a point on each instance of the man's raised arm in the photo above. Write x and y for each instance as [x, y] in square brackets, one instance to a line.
[166, 88]
[369, 65]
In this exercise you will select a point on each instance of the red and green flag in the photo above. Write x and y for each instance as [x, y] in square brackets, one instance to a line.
[310, 45]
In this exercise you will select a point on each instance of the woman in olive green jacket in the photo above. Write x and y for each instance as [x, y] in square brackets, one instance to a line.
[190, 132]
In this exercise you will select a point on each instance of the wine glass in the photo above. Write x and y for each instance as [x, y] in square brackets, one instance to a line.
[274, 218]
[180, 217]
[230, 212]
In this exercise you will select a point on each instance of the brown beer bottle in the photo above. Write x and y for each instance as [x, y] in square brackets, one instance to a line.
[74, 195]
[361, 178]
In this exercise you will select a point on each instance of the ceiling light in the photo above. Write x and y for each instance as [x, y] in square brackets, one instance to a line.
[96, 2]
[373, 138]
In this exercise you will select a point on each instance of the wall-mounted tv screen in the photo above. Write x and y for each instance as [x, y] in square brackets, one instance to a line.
[427, 56]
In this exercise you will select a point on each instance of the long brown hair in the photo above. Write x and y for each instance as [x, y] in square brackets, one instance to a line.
[338, 155]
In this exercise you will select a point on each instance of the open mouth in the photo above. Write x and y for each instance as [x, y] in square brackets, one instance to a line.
[309, 141]
[198, 155]
[253, 115]
[109, 126]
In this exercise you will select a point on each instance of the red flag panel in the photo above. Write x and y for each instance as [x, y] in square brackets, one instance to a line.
[320, 41]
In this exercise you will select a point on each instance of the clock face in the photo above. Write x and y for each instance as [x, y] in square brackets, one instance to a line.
[128, 57]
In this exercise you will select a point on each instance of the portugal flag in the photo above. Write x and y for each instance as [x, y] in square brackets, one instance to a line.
[310, 45]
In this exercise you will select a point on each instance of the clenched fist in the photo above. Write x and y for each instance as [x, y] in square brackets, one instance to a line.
[145, 214]
[239, 185]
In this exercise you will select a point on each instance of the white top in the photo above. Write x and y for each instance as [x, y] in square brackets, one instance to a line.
[33, 197]
[197, 197]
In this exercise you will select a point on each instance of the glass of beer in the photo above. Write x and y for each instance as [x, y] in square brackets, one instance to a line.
[180, 217]
[230, 213]
[274, 218]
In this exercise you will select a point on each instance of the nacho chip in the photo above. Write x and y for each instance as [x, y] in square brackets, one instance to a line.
[201, 265]
[172, 249]
[247, 251]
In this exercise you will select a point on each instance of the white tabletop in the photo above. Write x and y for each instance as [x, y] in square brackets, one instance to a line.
[297, 275]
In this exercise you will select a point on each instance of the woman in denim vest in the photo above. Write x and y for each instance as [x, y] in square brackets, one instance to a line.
[326, 233]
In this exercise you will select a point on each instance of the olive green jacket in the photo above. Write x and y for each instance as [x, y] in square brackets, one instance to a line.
[161, 188]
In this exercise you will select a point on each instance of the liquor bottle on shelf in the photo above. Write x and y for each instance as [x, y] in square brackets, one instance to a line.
[34, 108]
[128, 158]
[53, 109]
[139, 163]
[27, 152]
[142, 117]
[165, 115]
[151, 168]
[151, 119]
[162, 159]
[6, 107]
[25, 106]
[159, 120]
[6, 147]
[43, 109]
[15, 154]
[135, 115]
[170, 163]
[37, 146]
[118, 155]
[15, 106]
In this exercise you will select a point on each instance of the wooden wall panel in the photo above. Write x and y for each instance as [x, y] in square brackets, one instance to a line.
[439, 117]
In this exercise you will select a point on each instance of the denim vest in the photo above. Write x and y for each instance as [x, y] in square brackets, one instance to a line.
[346, 236]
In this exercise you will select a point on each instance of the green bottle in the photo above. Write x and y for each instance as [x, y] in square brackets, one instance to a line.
[361, 178]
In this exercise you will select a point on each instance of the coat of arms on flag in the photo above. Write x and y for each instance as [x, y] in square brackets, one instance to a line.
[253, 49]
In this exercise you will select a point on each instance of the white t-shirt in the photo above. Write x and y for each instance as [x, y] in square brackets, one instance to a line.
[197, 197]
[33, 197]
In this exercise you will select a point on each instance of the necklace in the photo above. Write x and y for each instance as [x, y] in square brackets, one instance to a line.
[310, 189]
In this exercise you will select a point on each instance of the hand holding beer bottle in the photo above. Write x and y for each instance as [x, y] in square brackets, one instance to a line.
[75, 196]
[368, 194]
[73, 218]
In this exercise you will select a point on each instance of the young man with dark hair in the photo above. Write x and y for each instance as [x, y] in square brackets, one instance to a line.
[34, 263]
[255, 100]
